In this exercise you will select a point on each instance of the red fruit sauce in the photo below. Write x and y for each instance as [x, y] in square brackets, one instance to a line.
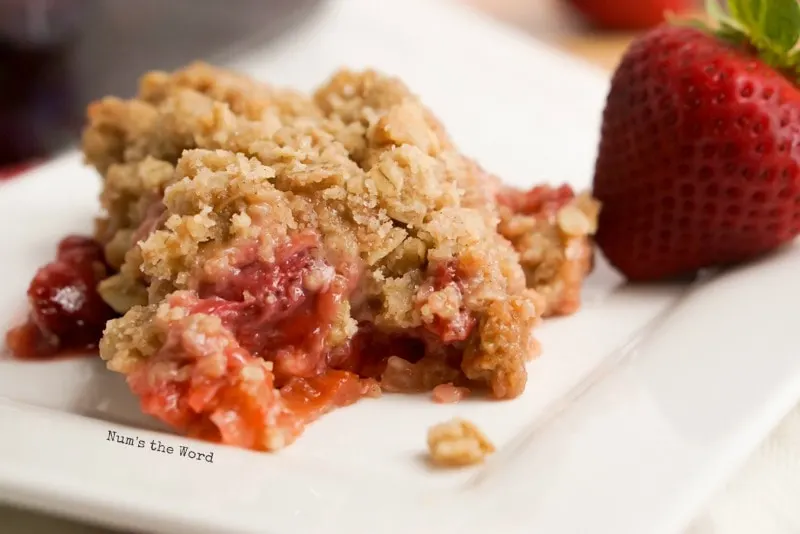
[66, 314]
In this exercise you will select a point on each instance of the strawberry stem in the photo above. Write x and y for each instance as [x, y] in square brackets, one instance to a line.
[771, 27]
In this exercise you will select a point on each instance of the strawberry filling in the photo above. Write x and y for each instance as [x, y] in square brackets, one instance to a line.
[541, 200]
[459, 325]
[247, 356]
[247, 361]
[281, 311]
[448, 394]
[204, 383]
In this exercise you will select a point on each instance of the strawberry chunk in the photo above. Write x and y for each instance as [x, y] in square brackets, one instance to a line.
[66, 312]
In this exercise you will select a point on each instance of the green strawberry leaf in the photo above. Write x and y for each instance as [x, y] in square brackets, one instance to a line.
[772, 25]
[751, 14]
[793, 66]
[780, 24]
[715, 10]
[725, 26]
[732, 34]
[683, 22]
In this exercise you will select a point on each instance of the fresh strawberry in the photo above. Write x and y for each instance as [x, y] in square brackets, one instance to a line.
[628, 14]
[699, 161]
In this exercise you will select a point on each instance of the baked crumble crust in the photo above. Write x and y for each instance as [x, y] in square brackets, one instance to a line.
[278, 254]
[551, 228]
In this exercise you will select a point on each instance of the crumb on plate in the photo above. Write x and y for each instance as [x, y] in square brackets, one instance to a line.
[457, 443]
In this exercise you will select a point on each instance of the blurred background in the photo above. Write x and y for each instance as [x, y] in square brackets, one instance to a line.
[57, 55]
[598, 31]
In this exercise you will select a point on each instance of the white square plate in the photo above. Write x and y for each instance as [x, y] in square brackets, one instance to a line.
[642, 403]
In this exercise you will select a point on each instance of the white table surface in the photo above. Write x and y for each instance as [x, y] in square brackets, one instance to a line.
[762, 499]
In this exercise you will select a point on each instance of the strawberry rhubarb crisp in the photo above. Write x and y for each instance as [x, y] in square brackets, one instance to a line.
[271, 255]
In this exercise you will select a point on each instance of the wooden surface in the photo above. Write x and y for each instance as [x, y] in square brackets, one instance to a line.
[555, 22]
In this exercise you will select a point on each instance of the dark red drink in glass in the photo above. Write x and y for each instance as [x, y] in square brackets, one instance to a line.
[38, 112]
